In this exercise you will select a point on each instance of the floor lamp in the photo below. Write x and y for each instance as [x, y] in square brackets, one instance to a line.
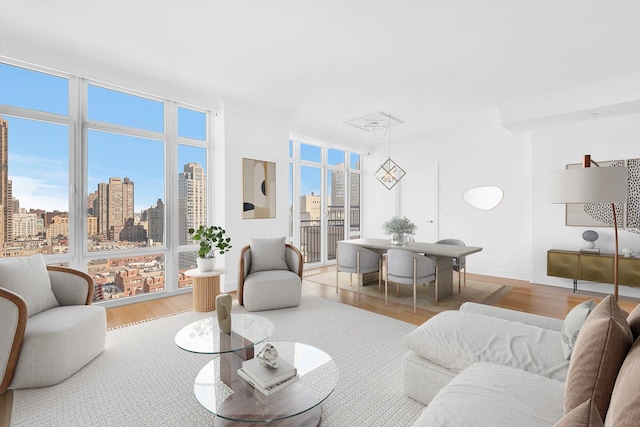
[593, 185]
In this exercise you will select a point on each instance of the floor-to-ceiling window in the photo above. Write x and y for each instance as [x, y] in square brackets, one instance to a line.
[101, 179]
[324, 199]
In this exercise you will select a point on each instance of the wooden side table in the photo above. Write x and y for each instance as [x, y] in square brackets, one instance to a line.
[206, 287]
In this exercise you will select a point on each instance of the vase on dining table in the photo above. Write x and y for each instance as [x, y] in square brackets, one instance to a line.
[401, 239]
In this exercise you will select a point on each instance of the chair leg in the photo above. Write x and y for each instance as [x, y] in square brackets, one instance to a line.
[465, 277]
[415, 270]
[336, 278]
[379, 273]
[458, 280]
[386, 284]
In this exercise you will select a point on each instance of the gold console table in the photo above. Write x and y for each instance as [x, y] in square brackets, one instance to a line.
[592, 267]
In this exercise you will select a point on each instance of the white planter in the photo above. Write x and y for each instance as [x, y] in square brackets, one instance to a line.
[206, 264]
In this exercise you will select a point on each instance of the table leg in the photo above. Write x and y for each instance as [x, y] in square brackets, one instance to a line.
[444, 277]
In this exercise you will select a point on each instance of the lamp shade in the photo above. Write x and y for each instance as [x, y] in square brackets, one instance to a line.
[589, 185]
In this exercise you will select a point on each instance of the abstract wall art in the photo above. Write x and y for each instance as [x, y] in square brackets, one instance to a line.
[600, 214]
[258, 189]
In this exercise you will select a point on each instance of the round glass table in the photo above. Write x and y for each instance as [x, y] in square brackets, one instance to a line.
[204, 336]
[220, 390]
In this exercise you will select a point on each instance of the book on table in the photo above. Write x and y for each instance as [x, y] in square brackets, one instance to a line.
[267, 391]
[266, 377]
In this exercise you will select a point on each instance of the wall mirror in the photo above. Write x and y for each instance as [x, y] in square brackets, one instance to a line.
[485, 198]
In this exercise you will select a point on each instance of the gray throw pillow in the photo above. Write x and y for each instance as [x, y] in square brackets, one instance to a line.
[572, 324]
[28, 277]
[268, 254]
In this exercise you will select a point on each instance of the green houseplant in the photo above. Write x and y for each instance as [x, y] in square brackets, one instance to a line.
[212, 239]
[399, 228]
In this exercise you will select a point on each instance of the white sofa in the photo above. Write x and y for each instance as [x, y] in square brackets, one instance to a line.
[488, 366]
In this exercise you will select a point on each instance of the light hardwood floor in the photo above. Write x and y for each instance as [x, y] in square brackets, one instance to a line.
[532, 298]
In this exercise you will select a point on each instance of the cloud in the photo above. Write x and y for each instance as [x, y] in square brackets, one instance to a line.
[40, 194]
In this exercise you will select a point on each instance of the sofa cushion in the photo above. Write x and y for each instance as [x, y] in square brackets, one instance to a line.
[603, 343]
[624, 409]
[583, 415]
[28, 277]
[268, 254]
[634, 322]
[486, 394]
[572, 324]
[456, 340]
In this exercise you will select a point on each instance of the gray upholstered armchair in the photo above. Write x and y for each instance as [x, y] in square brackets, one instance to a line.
[49, 330]
[409, 268]
[270, 275]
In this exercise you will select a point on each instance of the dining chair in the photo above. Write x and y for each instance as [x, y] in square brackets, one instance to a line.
[459, 264]
[355, 259]
[409, 268]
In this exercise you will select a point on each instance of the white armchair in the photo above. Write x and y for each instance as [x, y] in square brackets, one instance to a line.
[270, 275]
[49, 330]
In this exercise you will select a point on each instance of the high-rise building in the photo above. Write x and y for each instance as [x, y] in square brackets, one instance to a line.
[113, 205]
[192, 200]
[6, 199]
[155, 219]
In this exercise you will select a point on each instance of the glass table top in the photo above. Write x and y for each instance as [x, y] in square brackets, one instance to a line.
[204, 336]
[220, 390]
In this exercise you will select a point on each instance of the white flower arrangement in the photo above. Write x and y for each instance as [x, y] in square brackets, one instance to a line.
[397, 226]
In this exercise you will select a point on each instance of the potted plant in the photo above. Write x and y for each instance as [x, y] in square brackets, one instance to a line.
[212, 239]
[399, 229]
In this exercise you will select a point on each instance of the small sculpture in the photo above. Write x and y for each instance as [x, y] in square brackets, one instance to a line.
[223, 310]
[268, 356]
[590, 238]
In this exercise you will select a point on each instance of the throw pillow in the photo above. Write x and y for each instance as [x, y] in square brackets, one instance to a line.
[624, 410]
[602, 345]
[572, 324]
[584, 415]
[634, 322]
[268, 254]
[28, 277]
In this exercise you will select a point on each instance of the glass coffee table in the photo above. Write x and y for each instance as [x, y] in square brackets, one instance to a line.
[204, 336]
[220, 390]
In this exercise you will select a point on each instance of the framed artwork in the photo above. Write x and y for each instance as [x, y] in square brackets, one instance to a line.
[600, 214]
[258, 189]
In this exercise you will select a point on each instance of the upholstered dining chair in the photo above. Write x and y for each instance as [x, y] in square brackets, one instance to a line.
[354, 259]
[459, 264]
[270, 275]
[409, 268]
[49, 329]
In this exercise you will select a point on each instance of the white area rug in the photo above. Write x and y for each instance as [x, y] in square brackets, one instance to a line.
[144, 379]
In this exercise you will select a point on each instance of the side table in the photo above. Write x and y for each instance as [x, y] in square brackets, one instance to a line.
[206, 287]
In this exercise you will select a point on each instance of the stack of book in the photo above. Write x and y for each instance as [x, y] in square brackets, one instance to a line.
[268, 380]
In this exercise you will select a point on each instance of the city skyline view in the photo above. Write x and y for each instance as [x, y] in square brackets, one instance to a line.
[39, 151]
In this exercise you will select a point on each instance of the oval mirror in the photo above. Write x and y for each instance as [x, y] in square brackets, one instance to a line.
[484, 198]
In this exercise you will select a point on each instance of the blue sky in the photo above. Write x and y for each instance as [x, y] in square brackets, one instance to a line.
[39, 151]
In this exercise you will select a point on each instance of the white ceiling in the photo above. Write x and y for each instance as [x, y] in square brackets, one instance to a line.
[432, 64]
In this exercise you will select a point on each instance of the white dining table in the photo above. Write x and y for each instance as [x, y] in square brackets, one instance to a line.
[443, 255]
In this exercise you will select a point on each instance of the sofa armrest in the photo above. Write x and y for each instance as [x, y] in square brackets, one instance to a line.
[71, 287]
[513, 315]
[13, 318]
[243, 271]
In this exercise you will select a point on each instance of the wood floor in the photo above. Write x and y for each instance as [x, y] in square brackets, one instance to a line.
[532, 298]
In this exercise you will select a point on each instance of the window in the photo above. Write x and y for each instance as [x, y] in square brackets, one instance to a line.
[322, 185]
[118, 230]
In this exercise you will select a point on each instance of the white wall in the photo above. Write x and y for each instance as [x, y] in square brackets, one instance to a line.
[252, 133]
[553, 147]
[467, 159]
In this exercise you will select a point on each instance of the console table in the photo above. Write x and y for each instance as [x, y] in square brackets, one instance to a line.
[592, 267]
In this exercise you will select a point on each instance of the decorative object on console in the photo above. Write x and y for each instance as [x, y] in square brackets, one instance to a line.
[590, 238]
[593, 185]
[627, 252]
[400, 229]
[223, 310]
[211, 239]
